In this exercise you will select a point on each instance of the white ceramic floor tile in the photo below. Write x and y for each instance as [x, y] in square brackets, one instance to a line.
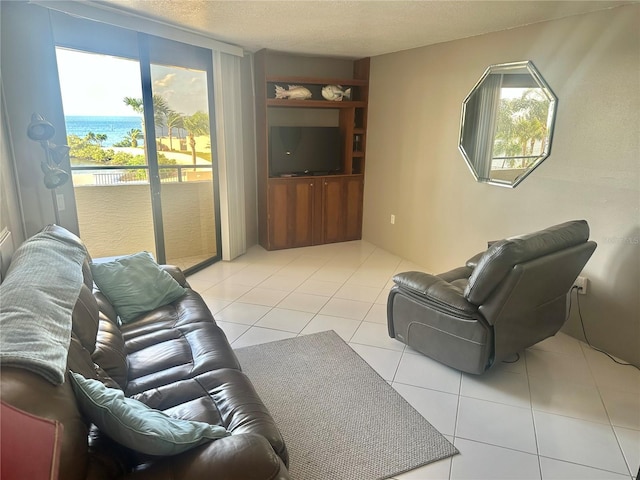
[256, 335]
[383, 297]
[200, 284]
[280, 282]
[298, 273]
[345, 327]
[434, 471]
[319, 287]
[360, 293]
[377, 314]
[609, 374]
[558, 470]
[215, 305]
[422, 371]
[376, 335]
[568, 399]
[340, 307]
[226, 291]
[629, 440]
[498, 386]
[438, 408]
[263, 296]
[232, 330]
[560, 343]
[558, 366]
[623, 407]
[578, 441]
[496, 424]
[250, 276]
[304, 302]
[288, 320]
[478, 461]
[516, 364]
[370, 278]
[332, 274]
[244, 313]
[382, 360]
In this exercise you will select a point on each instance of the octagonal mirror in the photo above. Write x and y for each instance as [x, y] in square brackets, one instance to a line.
[507, 124]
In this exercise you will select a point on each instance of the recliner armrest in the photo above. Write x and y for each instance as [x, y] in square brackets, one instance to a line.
[436, 290]
[473, 261]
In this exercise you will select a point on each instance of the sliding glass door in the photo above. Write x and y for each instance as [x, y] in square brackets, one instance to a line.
[142, 150]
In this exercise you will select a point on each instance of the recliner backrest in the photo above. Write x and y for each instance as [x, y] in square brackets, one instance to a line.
[504, 255]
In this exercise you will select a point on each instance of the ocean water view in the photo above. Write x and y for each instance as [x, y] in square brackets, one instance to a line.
[115, 128]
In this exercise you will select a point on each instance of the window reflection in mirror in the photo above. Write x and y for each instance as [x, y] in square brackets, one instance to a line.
[507, 124]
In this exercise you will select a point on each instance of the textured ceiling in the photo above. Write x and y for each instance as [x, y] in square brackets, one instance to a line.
[350, 28]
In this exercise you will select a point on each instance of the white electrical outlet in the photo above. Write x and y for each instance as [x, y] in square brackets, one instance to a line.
[393, 219]
[581, 283]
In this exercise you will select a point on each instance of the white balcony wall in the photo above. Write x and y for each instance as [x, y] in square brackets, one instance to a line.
[123, 212]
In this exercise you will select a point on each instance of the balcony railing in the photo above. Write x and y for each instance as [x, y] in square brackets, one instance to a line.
[132, 174]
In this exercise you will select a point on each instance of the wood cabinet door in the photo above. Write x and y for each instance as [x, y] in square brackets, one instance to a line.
[353, 194]
[333, 219]
[290, 212]
[342, 208]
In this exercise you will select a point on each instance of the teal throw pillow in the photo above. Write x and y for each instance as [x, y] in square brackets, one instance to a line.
[135, 284]
[137, 426]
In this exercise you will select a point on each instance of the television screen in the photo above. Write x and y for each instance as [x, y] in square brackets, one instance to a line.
[304, 150]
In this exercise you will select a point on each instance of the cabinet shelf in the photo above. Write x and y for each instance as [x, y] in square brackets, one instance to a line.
[285, 102]
[348, 82]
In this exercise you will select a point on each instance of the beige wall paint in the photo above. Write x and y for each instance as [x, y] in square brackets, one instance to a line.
[414, 169]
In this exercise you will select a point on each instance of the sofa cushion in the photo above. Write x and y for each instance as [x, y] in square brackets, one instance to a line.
[223, 397]
[135, 284]
[167, 355]
[110, 352]
[137, 426]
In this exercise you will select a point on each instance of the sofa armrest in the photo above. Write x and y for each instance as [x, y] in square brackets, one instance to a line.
[435, 290]
[238, 457]
[176, 273]
[473, 261]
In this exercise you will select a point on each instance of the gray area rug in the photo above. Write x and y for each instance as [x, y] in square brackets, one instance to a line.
[339, 418]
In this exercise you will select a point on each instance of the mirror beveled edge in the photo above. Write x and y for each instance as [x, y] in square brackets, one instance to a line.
[528, 67]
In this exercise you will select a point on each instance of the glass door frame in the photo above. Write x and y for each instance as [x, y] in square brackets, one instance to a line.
[143, 56]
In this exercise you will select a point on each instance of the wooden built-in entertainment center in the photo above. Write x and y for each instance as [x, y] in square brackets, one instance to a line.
[297, 211]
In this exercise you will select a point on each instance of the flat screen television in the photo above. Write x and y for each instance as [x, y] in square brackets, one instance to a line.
[304, 151]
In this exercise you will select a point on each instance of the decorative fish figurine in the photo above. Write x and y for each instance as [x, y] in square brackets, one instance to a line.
[335, 93]
[295, 92]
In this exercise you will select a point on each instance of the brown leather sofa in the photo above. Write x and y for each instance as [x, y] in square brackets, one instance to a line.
[505, 299]
[175, 359]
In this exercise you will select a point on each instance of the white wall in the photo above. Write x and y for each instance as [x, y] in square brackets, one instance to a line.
[414, 169]
[30, 81]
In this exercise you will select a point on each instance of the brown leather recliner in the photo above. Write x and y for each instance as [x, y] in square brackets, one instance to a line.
[504, 300]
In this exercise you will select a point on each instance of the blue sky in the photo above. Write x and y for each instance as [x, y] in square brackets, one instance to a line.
[95, 84]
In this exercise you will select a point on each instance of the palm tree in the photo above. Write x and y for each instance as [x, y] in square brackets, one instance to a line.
[90, 137]
[174, 120]
[101, 137]
[134, 103]
[134, 134]
[196, 124]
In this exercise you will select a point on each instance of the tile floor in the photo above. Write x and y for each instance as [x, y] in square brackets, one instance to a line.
[563, 411]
